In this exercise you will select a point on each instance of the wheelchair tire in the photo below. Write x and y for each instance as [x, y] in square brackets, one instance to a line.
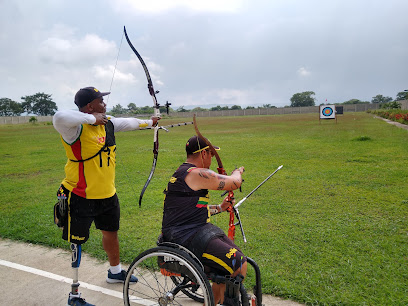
[154, 269]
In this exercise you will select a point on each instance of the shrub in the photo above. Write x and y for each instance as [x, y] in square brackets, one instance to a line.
[397, 115]
[391, 105]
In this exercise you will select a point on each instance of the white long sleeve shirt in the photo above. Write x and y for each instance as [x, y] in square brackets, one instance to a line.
[68, 123]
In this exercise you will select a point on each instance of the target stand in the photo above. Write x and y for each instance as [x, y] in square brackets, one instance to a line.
[327, 112]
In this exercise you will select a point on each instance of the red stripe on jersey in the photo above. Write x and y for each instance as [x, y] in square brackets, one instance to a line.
[81, 184]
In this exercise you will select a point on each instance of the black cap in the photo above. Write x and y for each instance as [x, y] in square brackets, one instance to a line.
[196, 144]
[87, 95]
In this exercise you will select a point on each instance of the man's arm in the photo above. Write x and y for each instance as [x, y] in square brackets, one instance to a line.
[68, 123]
[129, 124]
[202, 178]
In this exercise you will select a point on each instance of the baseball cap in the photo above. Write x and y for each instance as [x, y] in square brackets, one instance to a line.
[87, 95]
[196, 144]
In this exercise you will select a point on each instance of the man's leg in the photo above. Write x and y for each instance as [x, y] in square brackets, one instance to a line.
[222, 254]
[76, 231]
[110, 244]
[219, 289]
[242, 270]
[218, 292]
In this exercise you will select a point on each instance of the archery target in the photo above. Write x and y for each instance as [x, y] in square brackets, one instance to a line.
[327, 112]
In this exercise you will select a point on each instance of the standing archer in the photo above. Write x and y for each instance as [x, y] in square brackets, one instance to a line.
[88, 190]
[186, 215]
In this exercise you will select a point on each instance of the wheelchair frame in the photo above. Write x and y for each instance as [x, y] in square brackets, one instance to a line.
[170, 274]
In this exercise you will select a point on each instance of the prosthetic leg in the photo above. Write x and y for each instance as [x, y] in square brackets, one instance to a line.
[232, 290]
[76, 261]
[74, 296]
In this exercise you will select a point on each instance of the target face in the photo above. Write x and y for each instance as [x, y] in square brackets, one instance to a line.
[327, 112]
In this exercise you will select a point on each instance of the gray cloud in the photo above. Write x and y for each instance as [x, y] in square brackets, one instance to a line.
[227, 52]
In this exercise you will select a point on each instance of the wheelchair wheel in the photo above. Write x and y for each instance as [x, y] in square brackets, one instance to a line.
[155, 268]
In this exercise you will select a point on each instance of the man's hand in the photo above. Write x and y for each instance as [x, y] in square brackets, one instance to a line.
[225, 203]
[155, 120]
[100, 118]
[240, 169]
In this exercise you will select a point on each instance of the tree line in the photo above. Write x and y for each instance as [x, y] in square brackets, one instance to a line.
[41, 104]
[133, 109]
[297, 100]
[307, 99]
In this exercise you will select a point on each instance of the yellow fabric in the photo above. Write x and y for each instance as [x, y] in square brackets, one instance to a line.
[88, 179]
[69, 217]
[218, 261]
[203, 201]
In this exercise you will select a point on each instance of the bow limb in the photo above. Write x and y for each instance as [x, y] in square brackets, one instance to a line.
[220, 168]
[150, 176]
[156, 107]
[149, 79]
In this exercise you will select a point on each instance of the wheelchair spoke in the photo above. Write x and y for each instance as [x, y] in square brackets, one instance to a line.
[155, 270]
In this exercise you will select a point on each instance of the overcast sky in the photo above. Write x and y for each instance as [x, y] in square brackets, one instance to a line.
[204, 52]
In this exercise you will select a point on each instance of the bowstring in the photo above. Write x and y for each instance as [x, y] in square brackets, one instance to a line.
[110, 89]
[114, 69]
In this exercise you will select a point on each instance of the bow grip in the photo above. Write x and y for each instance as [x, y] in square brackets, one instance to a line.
[222, 171]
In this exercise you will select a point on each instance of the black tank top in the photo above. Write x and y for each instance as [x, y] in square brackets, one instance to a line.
[185, 211]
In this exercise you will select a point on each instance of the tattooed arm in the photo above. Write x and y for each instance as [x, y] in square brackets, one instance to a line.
[203, 178]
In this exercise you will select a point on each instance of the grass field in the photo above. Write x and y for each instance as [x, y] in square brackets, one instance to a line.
[330, 228]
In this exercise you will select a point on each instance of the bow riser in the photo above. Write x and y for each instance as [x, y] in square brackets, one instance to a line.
[156, 106]
[221, 170]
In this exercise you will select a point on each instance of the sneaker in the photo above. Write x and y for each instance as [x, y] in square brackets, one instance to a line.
[75, 300]
[119, 277]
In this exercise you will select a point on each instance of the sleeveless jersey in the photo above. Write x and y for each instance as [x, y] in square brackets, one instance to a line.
[185, 210]
[90, 169]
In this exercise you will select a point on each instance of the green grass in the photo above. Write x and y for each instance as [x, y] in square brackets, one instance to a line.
[330, 228]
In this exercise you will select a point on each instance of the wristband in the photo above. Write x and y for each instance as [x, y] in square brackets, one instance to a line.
[214, 211]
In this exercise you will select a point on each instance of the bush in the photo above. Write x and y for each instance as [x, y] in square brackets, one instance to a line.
[397, 115]
[391, 105]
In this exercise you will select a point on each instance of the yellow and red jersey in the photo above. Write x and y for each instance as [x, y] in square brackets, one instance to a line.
[90, 172]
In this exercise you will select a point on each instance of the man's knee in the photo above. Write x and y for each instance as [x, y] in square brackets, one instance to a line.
[110, 235]
[242, 270]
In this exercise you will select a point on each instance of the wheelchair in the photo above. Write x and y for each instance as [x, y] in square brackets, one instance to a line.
[170, 274]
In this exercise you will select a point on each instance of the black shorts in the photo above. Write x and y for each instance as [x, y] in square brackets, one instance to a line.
[82, 212]
[222, 256]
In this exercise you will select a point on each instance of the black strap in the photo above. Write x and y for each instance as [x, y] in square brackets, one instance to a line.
[109, 141]
[98, 153]
[198, 193]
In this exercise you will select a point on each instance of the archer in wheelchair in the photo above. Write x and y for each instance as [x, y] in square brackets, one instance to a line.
[186, 218]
